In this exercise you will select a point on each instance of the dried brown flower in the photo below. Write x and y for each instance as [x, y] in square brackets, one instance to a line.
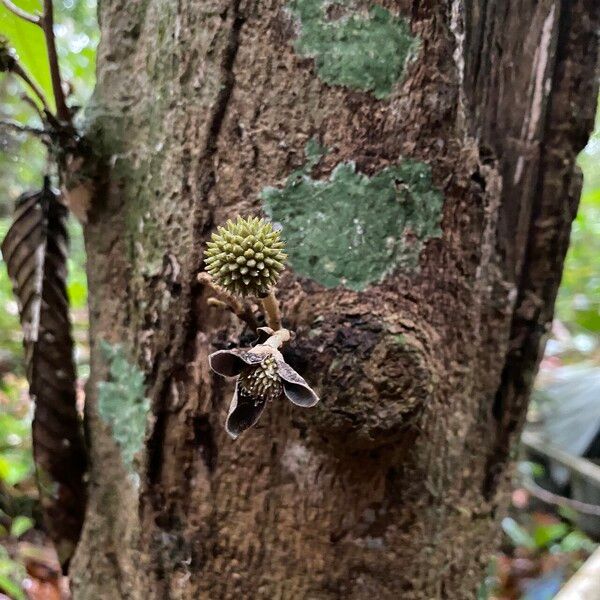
[262, 376]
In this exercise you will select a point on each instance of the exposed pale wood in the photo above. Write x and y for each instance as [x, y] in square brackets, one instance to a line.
[585, 584]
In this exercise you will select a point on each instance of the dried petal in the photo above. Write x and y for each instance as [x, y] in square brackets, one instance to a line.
[295, 387]
[230, 363]
[245, 410]
[263, 334]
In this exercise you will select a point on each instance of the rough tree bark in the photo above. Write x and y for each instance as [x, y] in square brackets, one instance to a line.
[392, 486]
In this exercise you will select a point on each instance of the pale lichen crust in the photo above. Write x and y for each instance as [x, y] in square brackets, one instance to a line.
[357, 49]
[122, 403]
[353, 229]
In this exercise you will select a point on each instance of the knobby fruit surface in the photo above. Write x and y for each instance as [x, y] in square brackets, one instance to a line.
[245, 257]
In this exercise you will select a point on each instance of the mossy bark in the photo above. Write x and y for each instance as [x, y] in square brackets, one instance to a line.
[392, 487]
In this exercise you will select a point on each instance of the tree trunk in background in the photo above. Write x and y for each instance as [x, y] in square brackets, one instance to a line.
[433, 249]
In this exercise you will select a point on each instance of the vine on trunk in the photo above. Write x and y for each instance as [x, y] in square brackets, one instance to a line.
[35, 251]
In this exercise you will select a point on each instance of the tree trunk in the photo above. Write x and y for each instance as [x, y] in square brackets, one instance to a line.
[427, 205]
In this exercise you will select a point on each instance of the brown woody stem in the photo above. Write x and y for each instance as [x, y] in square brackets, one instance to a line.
[19, 71]
[241, 310]
[14, 125]
[47, 24]
[31, 102]
[272, 312]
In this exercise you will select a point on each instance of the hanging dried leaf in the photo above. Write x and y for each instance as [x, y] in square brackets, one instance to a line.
[35, 252]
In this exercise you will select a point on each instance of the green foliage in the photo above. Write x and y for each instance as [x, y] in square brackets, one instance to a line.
[10, 330]
[518, 535]
[77, 36]
[576, 541]
[12, 574]
[530, 469]
[353, 229]
[545, 535]
[579, 297]
[16, 460]
[28, 41]
[16, 468]
[122, 403]
[486, 590]
[20, 525]
[22, 157]
[558, 536]
[22, 166]
[15, 465]
[361, 51]
[77, 279]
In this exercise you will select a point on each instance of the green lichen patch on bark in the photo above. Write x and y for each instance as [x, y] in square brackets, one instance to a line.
[361, 51]
[352, 229]
[122, 403]
[314, 152]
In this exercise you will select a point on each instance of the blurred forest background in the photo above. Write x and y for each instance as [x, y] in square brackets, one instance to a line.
[541, 547]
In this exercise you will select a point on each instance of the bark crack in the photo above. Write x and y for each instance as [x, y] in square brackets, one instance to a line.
[173, 360]
[170, 364]
[531, 319]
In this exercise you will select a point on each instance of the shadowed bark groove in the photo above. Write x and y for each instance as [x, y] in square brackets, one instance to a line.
[378, 491]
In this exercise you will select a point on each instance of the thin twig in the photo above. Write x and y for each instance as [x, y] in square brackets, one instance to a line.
[271, 308]
[9, 124]
[19, 71]
[25, 98]
[45, 117]
[241, 310]
[22, 14]
[550, 498]
[47, 24]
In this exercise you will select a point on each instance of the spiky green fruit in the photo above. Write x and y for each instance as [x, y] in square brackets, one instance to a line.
[245, 257]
